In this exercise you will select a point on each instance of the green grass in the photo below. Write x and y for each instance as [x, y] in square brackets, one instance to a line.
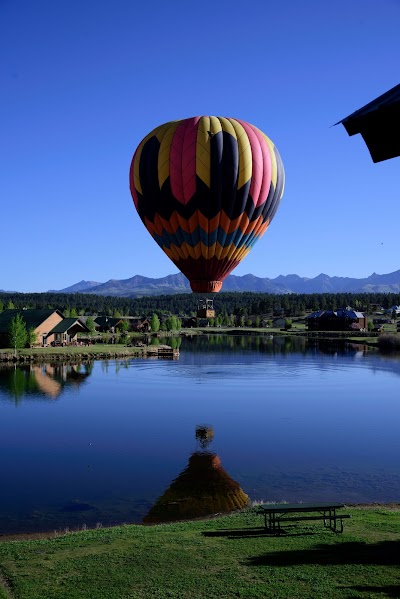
[74, 350]
[219, 558]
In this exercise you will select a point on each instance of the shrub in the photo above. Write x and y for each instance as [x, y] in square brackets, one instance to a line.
[388, 341]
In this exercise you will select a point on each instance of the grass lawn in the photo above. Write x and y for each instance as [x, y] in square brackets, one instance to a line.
[74, 349]
[226, 557]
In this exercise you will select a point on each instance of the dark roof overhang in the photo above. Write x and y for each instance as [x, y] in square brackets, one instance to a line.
[379, 124]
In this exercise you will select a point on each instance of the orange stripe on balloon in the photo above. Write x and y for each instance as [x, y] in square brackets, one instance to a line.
[170, 226]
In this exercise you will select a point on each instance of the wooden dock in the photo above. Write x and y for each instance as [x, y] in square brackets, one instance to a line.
[161, 351]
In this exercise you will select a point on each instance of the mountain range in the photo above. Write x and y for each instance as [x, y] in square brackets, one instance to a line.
[139, 286]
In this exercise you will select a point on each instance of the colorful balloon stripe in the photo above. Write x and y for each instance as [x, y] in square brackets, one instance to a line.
[206, 189]
[207, 237]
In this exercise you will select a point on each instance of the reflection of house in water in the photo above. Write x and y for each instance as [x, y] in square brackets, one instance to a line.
[42, 379]
[202, 489]
[45, 382]
[52, 378]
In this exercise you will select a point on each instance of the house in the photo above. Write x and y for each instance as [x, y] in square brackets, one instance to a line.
[139, 324]
[66, 331]
[107, 324]
[343, 319]
[195, 322]
[49, 325]
[189, 323]
[395, 309]
[279, 323]
[262, 321]
[380, 321]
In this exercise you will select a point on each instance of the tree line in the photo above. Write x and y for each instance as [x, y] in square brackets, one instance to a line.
[185, 305]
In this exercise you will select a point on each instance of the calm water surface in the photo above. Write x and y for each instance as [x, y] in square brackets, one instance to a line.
[99, 443]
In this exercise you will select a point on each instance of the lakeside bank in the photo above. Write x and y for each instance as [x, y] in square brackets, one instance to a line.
[93, 352]
[221, 557]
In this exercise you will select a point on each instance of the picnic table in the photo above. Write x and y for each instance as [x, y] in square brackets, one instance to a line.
[277, 513]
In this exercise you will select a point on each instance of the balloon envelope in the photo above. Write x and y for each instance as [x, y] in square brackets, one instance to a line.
[206, 188]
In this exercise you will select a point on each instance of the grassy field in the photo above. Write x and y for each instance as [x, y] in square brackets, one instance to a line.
[230, 556]
[74, 350]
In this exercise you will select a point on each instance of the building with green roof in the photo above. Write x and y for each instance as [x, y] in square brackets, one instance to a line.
[49, 325]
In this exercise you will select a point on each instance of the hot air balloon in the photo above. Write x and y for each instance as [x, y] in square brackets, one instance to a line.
[206, 188]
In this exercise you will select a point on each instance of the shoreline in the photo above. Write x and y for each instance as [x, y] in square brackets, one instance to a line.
[53, 534]
[78, 354]
[110, 352]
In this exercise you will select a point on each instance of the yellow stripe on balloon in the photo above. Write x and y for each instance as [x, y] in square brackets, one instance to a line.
[164, 128]
[215, 125]
[241, 253]
[164, 151]
[227, 126]
[245, 157]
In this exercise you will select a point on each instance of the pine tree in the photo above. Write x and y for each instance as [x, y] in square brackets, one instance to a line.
[17, 333]
[155, 323]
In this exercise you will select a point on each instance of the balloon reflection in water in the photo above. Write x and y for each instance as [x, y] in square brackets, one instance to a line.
[203, 488]
[204, 435]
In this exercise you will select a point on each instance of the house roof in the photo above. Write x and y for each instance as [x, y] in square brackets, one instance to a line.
[66, 324]
[340, 313]
[32, 318]
[389, 98]
[379, 124]
[107, 321]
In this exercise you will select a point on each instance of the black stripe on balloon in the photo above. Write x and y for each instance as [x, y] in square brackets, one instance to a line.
[267, 207]
[148, 173]
[165, 204]
[216, 171]
[230, 170]
[279, 187]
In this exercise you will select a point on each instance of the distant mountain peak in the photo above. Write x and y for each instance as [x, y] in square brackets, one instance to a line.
[80, 287]
[139, 285]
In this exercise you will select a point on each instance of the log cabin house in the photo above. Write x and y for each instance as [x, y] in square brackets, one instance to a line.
[49, 325]
[343, 319]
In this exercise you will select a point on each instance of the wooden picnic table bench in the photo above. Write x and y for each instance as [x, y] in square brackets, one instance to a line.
[276, 513]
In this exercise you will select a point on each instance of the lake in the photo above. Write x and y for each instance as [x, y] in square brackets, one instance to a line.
[96, 444]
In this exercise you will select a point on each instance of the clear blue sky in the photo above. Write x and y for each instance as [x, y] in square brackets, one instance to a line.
[83, 82]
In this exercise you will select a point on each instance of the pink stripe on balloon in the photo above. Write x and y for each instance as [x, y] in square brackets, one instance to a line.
[175, 162]
[267, 170]
[189, 159]
[261, 175]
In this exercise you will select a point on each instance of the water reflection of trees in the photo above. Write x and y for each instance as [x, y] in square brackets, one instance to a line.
[203, 488]
[270, 344]
[173, 341]
[45, 381]
[220, 343]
